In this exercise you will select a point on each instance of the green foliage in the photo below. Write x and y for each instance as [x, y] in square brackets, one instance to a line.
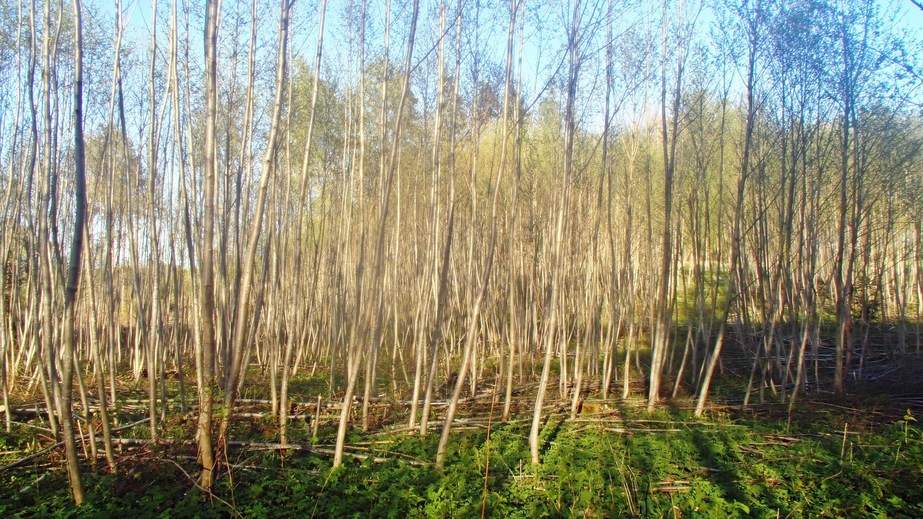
[663, 464]
[908, 418]
[305, 386]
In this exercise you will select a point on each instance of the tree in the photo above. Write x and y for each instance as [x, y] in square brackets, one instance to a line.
[206, 362]
[74, 264]
[751, 21]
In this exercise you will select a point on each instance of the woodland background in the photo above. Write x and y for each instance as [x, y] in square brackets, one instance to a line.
[423, 203]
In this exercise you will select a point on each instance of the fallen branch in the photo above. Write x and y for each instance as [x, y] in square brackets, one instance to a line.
[26, 459]
[29, 487]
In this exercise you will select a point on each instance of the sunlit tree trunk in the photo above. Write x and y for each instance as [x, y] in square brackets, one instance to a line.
[236, 371]
[475, 314]
[551, 291]
[207, 288]
[375, 309]
[734, 288]
[660, 340]
[73, 271]
[303, 193]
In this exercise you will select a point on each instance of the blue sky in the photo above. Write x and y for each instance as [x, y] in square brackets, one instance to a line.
[542, 47]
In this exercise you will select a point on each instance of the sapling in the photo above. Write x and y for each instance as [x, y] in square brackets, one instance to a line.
[908, 417]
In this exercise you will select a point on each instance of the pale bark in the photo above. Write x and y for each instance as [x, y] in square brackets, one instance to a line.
[375, 310]
[235, 372]
[553, 313]
[207, 288]
[74, 263]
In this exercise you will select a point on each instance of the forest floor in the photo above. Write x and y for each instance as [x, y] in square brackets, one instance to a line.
[845, 457]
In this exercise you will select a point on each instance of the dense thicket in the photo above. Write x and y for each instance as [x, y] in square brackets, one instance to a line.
[405, 195]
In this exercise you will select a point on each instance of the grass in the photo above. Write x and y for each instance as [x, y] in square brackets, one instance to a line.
[618, 462]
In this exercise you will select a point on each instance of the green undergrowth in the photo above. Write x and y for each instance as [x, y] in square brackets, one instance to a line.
[619, 463]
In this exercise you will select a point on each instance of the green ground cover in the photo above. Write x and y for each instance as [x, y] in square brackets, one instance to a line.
[828, 460]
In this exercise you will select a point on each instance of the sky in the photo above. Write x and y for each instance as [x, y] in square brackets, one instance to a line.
[544, 37]
[544, 41]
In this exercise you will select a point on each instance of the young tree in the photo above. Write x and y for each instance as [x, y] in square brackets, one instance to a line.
[206, 362]
[235, 371]
[74, 263]
[555, 278]
[751, 20]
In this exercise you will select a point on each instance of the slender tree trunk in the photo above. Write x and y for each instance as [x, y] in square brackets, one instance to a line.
[376, 308]
[736, 280]
[474, 317]
[207, 295]
[662, 307]
[306, 158]
[236, 372]
[556, 273]
[74, 264]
